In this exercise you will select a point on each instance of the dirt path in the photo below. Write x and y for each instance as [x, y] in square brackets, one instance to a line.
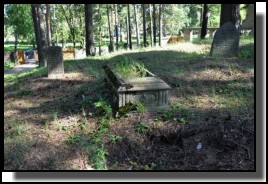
[21, 68]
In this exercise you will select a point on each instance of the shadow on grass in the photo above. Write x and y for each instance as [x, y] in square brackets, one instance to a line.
[67, 96]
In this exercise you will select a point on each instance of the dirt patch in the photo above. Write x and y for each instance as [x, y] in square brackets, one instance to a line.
[209, 126]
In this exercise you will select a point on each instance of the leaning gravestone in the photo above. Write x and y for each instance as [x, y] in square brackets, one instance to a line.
[54, 58]
[226, 41]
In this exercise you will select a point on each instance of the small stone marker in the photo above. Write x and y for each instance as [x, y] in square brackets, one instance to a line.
[226, 41]
[54, 58]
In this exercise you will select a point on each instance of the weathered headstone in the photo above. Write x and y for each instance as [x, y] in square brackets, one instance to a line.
[226, 41]
[54, 58]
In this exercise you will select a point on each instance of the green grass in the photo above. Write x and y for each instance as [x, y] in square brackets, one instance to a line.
[129, 68]
[11, 47]
[9, 65]
[77, 115]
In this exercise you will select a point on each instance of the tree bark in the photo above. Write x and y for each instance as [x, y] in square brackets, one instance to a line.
[144, 25]
[129, 27]
[204, 22]
[127, 46]
[16, 40]
[48, 24]
[160, 25]
[137, 24]
[151, 25]
[42, 25]
[99, 31]
[38, 38]
[154, 23]
[116, 26]
[90, 50]
[231, 13]
[111, 46]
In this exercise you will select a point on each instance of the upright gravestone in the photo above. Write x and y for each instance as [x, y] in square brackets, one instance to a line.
[226, 41]
[54, 58]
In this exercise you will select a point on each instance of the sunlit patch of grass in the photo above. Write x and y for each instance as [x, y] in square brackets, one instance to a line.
[16, 129]
[9, 65]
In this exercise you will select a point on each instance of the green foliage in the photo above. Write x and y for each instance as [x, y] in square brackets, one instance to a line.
[104, 109]
[142, 127]
[73, 138]
[130, 68]
[174, 18]
[140, 107]
[17, 129]
[98, 157]
[177, 113]
[19, 17]
[25, 92]
[9, 65]
[115, 138]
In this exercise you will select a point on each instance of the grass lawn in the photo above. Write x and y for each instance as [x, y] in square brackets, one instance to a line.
[67, 123]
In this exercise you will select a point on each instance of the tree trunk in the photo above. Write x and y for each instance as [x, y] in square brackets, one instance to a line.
[144, 25]
[160, 25]
[37, 31]
[127, 34]
[116, 25]
[73, 37]
[137, 24]
[151, 25]
[48, 24]
[231, 13]
[99, 30]
[204, 22]
[42, 26]
[90, 51]
[16, 40]
[154, 23]
[111, 45]
[121, 36]
[129, 27]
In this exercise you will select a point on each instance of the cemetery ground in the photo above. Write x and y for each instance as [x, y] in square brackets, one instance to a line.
[67, 123]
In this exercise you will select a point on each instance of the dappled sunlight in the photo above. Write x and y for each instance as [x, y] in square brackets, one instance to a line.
[215, 74]
[64, 129]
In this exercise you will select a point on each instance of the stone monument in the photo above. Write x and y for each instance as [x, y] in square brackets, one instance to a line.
[226, 41]
[54, 58]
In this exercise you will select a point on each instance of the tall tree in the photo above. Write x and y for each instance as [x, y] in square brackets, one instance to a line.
[72, 13]
[42, 22]
[154, 23]
[100, 19]
[231, 13]
[111, 46]
[136, 16]
[38, 35]
[151, 25]
[18, 19]
[90, 51]
[144, 25]
[116, 26]
[204, 21]
[48, 29]
[160, 24]
[129, 27]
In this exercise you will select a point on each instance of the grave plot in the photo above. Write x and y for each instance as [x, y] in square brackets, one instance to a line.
[140, 86]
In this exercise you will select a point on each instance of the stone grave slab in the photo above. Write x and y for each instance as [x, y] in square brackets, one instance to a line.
[54, 58]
